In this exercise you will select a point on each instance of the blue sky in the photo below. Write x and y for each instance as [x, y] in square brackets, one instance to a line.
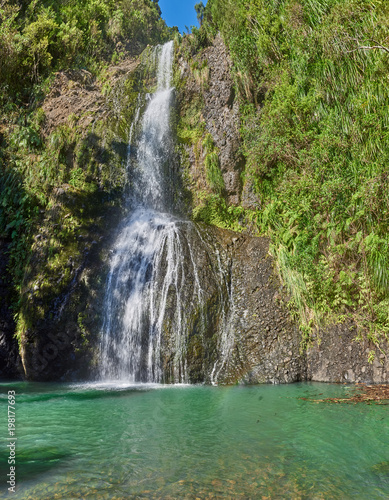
[180, 13]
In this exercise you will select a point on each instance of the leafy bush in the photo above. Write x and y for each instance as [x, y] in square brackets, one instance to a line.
[312, 77]
[42, 36]
[38, 38]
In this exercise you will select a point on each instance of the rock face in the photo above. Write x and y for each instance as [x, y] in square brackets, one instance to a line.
[208, 90]
[264, 342]
[240, 331]
[10, 366]
[267, 341]
[337, 357]
[75, 93]
[223, 317]
[222, 118]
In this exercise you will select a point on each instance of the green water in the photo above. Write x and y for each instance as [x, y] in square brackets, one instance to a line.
[85, 441]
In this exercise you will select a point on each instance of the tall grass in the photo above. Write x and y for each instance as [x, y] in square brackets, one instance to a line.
[313, 76]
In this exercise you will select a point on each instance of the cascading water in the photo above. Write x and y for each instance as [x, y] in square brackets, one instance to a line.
[146, 267]
[154, 300]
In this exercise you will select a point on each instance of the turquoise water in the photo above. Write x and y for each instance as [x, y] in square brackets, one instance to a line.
[88, 441]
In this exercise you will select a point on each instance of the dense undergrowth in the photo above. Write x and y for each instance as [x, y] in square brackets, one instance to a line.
[313, 79]
[54, 187]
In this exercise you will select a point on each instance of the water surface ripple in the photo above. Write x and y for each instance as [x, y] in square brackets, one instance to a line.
[151, 441]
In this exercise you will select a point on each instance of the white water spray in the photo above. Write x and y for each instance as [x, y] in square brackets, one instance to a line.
[147, 266]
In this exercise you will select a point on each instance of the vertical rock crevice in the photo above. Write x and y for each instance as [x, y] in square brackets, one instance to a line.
[207, 101]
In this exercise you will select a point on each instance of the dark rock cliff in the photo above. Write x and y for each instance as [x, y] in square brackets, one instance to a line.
[10, 365]
[264, 342]
[337, 356]
[221, 116]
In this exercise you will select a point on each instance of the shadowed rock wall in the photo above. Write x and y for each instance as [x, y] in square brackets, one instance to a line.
[264, 342]
[10, 365]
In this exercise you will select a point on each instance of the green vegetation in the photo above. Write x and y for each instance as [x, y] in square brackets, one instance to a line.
[57, 184]
[213, 209]
[212, 165]
[200, 73]
[313, 78]
[200, 9]
[39, 36]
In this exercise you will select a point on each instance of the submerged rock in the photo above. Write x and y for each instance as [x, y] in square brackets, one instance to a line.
[382, 469]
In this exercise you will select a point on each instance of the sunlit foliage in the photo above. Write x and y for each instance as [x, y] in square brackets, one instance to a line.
[313, 75]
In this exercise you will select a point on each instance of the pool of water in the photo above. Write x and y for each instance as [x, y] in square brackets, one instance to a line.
[116, 442]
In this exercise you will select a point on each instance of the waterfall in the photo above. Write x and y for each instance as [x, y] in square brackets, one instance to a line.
[146, 268]
[154, 301]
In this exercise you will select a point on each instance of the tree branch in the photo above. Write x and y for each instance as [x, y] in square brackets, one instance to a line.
[366, 47]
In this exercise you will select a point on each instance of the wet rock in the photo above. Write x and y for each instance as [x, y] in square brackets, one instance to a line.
[10, 365]
[238, 282]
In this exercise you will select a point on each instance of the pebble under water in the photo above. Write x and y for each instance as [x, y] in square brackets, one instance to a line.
[111, 441]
